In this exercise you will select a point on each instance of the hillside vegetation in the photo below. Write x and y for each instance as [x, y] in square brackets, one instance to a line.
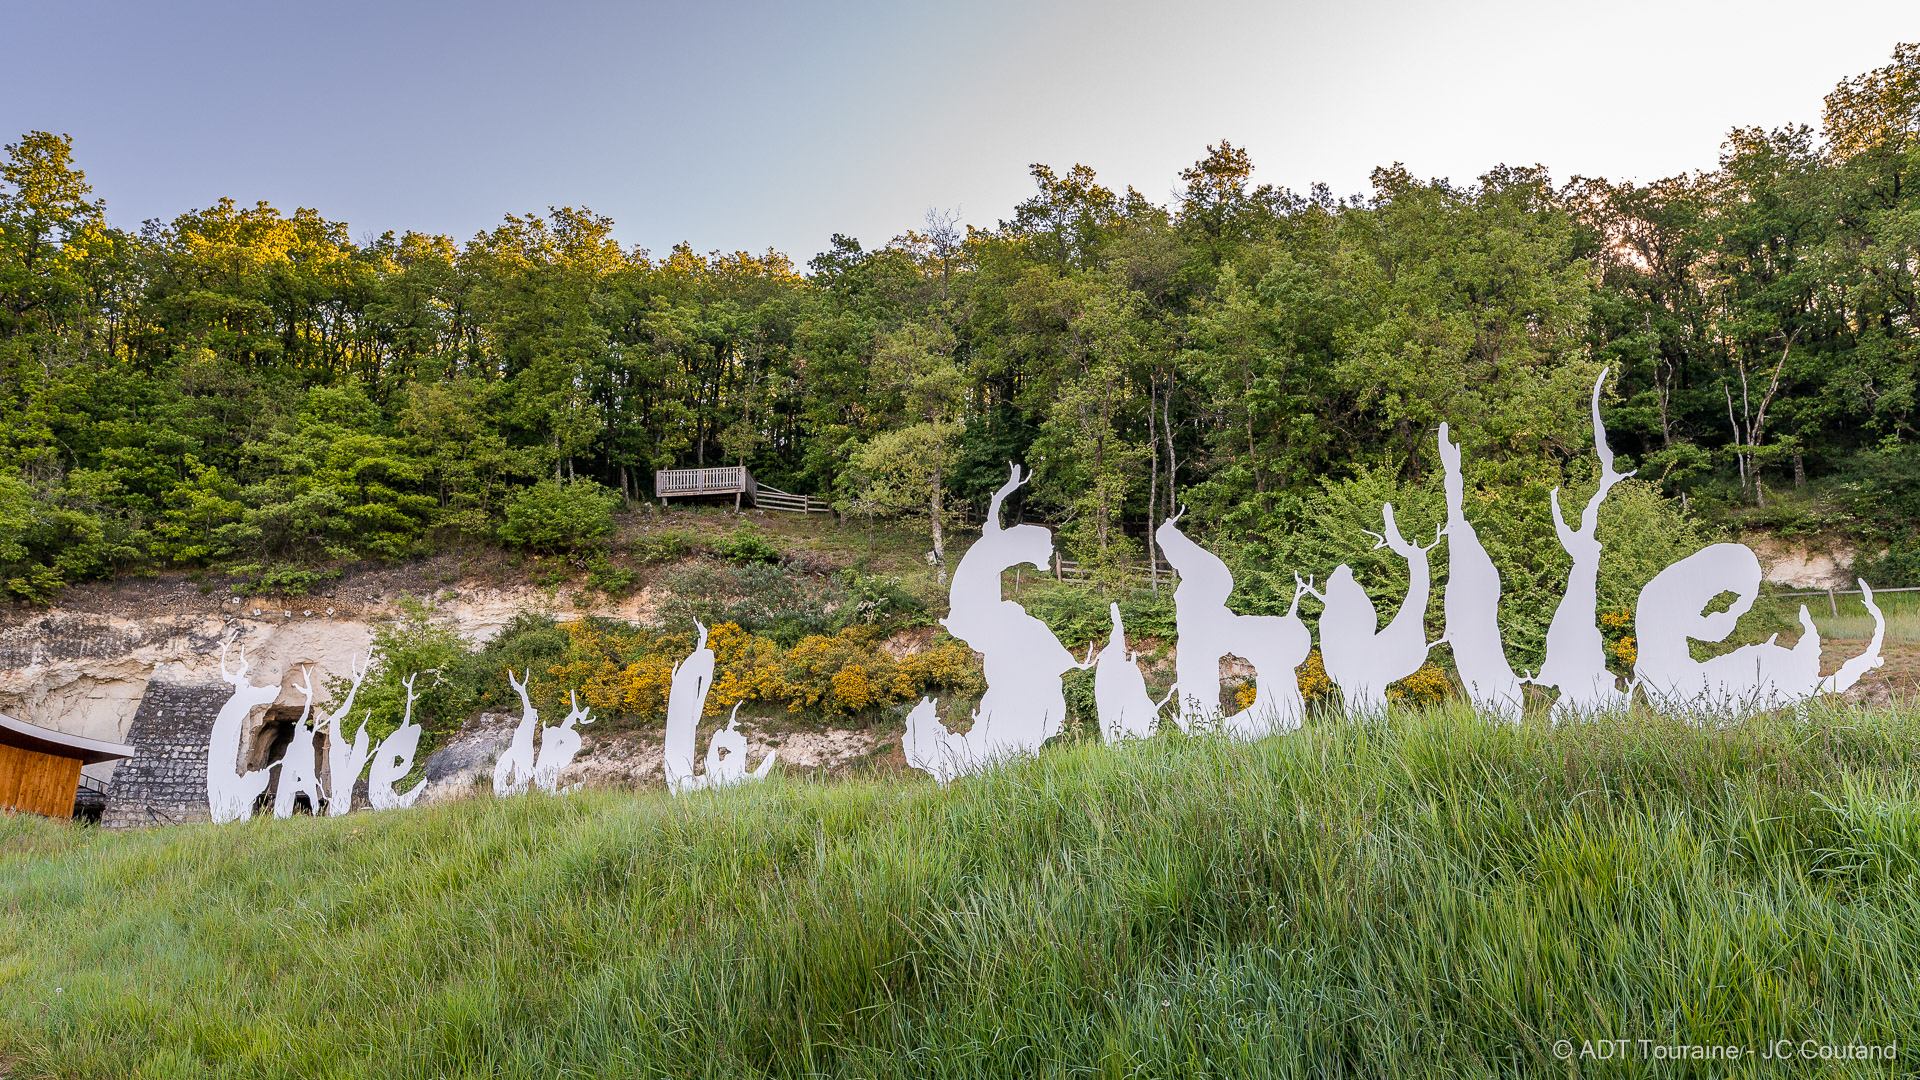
[1428, 896]
[251, 390]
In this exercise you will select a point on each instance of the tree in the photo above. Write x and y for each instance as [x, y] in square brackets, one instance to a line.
[1880, 109]
[921, 395]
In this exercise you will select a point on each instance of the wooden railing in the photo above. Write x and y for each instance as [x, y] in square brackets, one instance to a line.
[722, 480]
[1073, 573]
[733, 480]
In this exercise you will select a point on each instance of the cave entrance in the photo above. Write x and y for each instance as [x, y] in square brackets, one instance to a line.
[270, 741]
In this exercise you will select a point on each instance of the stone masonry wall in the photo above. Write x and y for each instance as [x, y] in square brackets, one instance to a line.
[166, 781]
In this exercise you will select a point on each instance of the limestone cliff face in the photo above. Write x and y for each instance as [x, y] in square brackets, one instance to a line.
[83, 665]
[84, 673]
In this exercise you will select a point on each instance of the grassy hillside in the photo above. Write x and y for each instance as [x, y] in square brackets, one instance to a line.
[1429, 896]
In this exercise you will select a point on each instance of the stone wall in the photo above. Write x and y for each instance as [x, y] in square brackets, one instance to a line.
[165, 782]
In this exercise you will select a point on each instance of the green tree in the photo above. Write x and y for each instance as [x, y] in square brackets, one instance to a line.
[559, 515]
[919, 393]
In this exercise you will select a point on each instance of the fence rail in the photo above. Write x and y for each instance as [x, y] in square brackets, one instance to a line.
[1073, 573]
[772, 498]
[1833, 595]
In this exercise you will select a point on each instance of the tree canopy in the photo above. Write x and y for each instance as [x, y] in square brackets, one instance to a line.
[243, 385]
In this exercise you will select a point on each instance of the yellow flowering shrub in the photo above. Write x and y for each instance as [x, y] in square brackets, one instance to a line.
[812, 665]
[946, 663]
[626, 671]
[1312, 676]
[620, 670]
[1423, 687]
[1428, 686]
[1626, 650]
[746, 668]
[1616, 626]
[849, 673]
[853, 691]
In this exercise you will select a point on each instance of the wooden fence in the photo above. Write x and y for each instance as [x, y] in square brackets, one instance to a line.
[772, 498]
[1152, 574]
[1833, 595]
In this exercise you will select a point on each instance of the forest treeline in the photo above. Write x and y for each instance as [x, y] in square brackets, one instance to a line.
[243, 387]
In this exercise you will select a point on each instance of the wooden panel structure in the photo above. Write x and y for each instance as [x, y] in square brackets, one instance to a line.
[40, 767]
[38, 783]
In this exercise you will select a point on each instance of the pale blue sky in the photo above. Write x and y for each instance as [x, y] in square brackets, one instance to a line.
[753, 124]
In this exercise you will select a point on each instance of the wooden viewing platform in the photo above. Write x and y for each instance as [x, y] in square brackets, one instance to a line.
[732, 480]
[722, 480]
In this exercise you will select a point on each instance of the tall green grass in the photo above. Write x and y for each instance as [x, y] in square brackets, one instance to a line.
[1902, 612]
[1434, 895]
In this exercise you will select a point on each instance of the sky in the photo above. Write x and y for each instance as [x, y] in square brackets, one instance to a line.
[749, 125]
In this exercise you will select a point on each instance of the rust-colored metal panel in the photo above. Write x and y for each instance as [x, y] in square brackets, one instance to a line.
[38, 783]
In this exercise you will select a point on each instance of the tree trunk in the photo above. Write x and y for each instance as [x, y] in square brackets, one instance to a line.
[1739, 456]
[1106, 493]
[1153, 486]
[1799, 471]
[1173, 465]
[939, 535]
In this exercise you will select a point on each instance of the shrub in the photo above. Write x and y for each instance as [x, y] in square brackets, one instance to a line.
[284, 581]
[780, 602]
[1315, 686]
[848, 674]
[746, 545]
[529, 642]
[555, 515]
[760, 597]
[1078, 614]
[874, 600]
[619, 670]
[447, 679]
[1428, 686]
[604, 576]
[662, 546]
[627, 671]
